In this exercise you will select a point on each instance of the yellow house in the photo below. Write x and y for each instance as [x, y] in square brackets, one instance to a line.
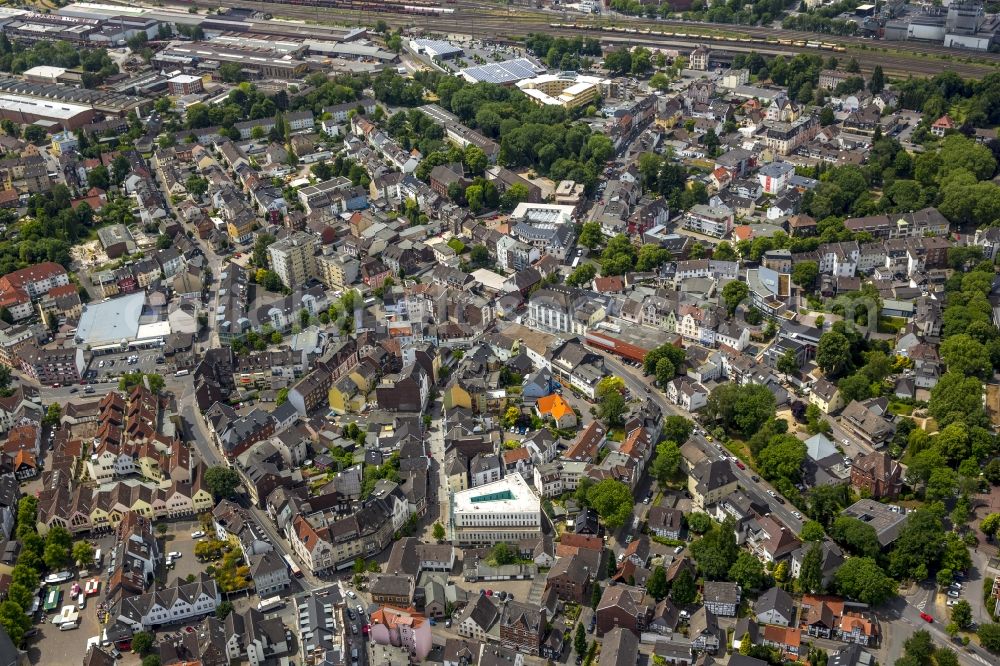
[99, 518]
[202, 500]
[458, 474]
[710, 481]
[340, 394]
[456, 396]
[149, 468]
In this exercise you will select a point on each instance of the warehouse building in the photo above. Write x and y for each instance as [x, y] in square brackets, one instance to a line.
[27, 111]
[257, 63]
[434, 48]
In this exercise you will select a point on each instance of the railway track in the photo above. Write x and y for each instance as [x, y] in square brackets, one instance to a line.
[483, 19]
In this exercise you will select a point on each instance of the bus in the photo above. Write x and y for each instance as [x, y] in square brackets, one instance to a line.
[294, 567]
[266, 605]
[53, 597]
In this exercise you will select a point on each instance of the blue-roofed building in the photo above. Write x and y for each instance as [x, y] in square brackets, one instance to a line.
[435, 48]
[502, 73]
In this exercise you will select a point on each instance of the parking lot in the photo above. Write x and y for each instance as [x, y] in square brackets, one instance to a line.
[64, 646]
[108, 366]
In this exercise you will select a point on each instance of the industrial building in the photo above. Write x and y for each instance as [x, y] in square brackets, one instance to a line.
[28, 110]
[566, 89]
[433, 48]
[255, 62]
[962, 25]
[101, 101]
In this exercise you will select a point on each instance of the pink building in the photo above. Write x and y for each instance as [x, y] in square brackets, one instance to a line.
[411, 631]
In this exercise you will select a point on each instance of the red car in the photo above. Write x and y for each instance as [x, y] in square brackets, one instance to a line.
[739, 463]
[926, 618]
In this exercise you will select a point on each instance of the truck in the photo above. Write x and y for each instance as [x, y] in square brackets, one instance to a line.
[269, 604]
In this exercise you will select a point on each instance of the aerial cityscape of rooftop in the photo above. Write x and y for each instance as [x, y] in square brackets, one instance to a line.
[500, 333]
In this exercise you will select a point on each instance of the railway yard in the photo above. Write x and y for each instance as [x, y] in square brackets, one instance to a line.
[483, 18]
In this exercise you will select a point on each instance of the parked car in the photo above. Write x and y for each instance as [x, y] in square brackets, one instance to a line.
[926, 618]
[200, 534]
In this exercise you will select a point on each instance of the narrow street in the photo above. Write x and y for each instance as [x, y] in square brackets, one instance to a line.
[440, 493]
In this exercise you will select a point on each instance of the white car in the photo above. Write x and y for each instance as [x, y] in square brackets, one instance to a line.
[797, 515]
[771, 493]
[198, 535]
[351, 594]
[174, 555]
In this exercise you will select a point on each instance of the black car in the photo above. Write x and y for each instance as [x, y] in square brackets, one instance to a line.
[781, 500]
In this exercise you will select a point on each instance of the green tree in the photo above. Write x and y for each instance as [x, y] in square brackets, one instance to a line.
[724, 251]
[99, 177]
[919, 546]
[805, 273]
[989, 634]
[590, 235]
[52, 415]
[961, 614]
[581, 275]
[83, 553]
[812, 531]
[788, 362]
[14, 620]
[716, 551]
[580, 639]
[439, 532]
[833, 354]
[782, 458]
[747, 571]
[595, 593]
[858, 537]
[223, 610]
[665, 372]
[612, 409]
[612, 500]
[965, 355]
[667, 462]
[698, 522]
[811, 572]
[196, 185]
[683, 591]
[656, 585]
[854, 387]
[733, 294]
[741, 409]
[826, 116]
[142, 642]
[862, 579]
[222, 481]
[990, 524]
[877, 83]
[677, 429]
